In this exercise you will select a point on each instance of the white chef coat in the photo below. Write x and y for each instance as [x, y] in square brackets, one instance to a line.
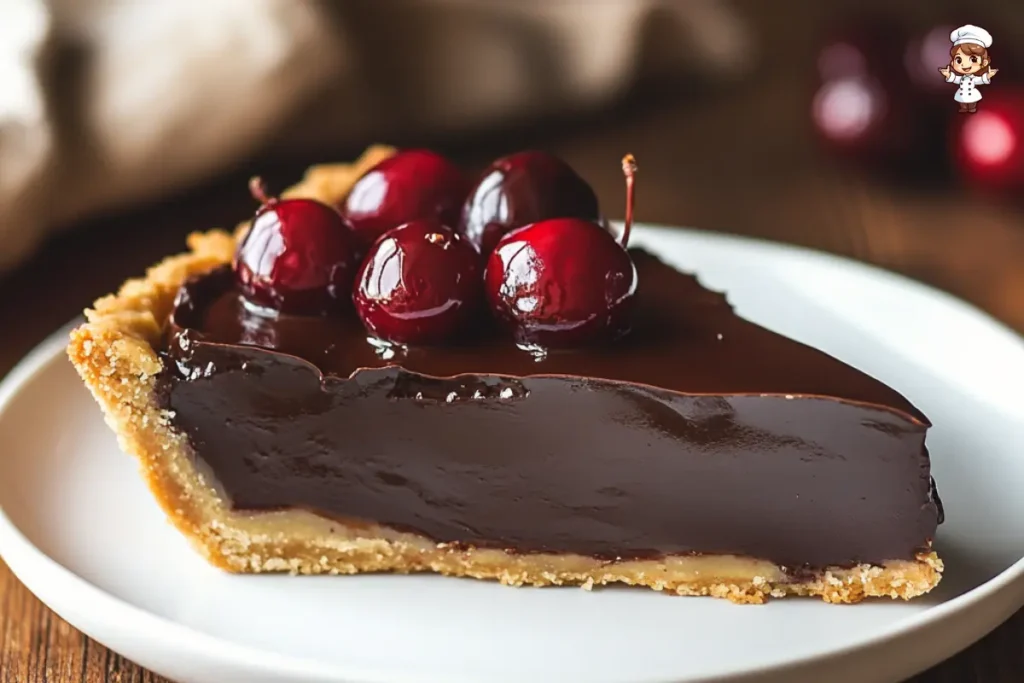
[968, 91]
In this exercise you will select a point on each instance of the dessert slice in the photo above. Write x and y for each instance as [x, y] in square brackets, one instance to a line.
[634, 430]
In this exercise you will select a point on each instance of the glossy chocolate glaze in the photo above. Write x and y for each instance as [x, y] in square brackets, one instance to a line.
[699, 432]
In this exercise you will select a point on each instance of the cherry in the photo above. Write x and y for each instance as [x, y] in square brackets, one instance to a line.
[564, 281]
[410, 185]
[861, 45]
[858, 117]
[418, 284]
[520, 189]
[862, 108]
[298, 256]
[988, 146]
[926, 52]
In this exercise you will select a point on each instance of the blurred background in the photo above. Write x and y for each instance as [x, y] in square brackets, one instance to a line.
[125, 125]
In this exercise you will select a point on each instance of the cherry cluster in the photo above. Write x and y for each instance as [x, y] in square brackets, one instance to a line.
[420, 250]
[880, 101]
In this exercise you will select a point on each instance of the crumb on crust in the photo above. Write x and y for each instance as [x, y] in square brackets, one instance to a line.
[114, 352]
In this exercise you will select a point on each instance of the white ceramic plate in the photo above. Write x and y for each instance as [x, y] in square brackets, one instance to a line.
[78, 527]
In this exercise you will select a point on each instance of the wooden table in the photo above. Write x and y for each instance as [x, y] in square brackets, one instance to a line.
[739, 161]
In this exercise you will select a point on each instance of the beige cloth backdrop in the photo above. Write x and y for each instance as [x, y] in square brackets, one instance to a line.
[104, 102]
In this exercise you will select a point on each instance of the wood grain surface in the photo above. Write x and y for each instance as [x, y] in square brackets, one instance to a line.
[738, 160]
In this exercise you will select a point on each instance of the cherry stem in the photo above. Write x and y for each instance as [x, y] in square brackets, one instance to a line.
[258, 189]
[629, 170]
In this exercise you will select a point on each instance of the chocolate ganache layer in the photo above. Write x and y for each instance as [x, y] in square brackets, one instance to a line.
[699, 432]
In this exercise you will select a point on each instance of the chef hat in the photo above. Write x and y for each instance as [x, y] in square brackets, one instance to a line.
[971, 34]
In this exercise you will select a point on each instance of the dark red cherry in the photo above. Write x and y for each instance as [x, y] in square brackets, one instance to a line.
[862, 108]
[861, 118]
[410, 185]
[988, 146]
[564, 281]
[418, 284]
[520, 189]
[926, 52]
[298, 256]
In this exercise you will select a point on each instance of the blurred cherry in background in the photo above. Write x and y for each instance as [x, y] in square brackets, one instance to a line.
[881, 105]
[860, 109]
[988, 146]
[925, 53]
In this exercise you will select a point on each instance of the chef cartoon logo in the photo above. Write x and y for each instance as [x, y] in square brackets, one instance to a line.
[969, 65]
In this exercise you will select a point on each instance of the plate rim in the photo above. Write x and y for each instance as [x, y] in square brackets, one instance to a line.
[46, 578]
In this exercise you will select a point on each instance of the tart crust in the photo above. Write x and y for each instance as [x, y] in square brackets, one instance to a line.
[115, 354]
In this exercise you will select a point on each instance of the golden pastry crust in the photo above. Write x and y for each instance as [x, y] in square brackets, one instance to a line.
[115, 354]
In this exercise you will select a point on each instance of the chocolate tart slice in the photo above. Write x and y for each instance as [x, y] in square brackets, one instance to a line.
[701, 454]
